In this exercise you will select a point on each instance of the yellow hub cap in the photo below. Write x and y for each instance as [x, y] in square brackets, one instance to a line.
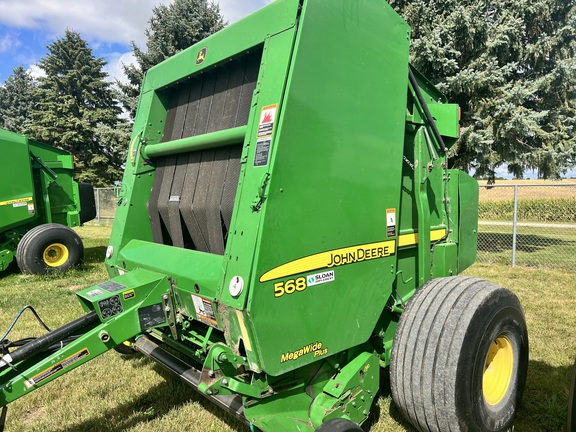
[498, 369]
[55, 255]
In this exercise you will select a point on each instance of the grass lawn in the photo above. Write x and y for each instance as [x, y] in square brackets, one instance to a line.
[117, 393]
[546, 245]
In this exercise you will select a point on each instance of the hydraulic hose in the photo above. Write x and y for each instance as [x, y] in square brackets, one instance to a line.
[48, 339]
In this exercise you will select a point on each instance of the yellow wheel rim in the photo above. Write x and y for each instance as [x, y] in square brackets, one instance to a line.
[55, 255]
[498, 369]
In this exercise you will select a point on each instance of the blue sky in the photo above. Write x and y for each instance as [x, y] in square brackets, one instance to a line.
[27, 26]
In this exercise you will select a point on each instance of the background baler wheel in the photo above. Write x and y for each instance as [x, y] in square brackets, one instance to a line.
[49, 247]
[460, 356]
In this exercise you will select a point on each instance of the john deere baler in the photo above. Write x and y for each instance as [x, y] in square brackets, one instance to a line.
[39, 202]
[288, 226]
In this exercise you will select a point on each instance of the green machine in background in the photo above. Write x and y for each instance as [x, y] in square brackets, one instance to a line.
[39, 201]
[288, 226]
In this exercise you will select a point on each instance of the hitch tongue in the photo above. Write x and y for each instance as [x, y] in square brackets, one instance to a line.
[48, 339]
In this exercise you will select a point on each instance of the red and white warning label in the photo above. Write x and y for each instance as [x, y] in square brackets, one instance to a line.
[267, 119]
[204, 310]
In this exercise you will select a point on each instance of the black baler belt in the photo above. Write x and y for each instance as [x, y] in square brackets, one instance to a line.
[187, 200]
[193, 197]
[230, 185]
[193, 194]
[165, 187]
[174, 201]
[213, 219]
[153, 211]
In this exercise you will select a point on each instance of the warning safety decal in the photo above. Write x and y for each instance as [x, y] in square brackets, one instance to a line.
[265, 130]
[44, 375]
[391, 223]
[262, 152]
[267, 118]
[204, 310]
[332, 258]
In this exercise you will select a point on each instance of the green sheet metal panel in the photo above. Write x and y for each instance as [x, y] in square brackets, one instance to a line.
[468, 220]
[335, 170]
[63, 195]
[17, 191]
[246, 223]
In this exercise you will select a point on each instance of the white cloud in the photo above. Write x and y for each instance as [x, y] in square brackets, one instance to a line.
[114, 66]
[100, 22]
[36, 72]
[107, 21]
[118, 21]
[8, 43]
[233, 10]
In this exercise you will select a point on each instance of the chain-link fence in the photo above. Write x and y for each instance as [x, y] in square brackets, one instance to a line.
[519, 224]
[528, 225]
[106, 202]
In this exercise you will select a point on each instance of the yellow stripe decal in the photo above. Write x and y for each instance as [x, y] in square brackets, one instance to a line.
[15, 201]
[347, 255]
[243, 330]
[332, 258]
[412, 239]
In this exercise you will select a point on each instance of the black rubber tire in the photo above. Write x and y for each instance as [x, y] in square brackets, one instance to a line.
[30, 253]
[339, 425]
[440, 351]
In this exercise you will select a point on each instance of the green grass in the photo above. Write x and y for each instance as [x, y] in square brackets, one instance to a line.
[118, 393]
[540, 246]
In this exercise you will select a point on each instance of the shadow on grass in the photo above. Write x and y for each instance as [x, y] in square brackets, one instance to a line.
[544, 405]
[543, 408]
[11, 269]
[501, 242]
[157, 402]
[94, 255]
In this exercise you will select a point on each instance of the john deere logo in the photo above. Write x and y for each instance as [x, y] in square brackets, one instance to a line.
[201, 56]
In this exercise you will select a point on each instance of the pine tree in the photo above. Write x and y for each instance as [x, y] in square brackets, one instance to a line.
[74, 104]
[511, 67]
[173, 28]
[17, 100]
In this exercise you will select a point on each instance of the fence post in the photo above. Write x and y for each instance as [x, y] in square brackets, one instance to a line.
[515, 225]
[98, 205]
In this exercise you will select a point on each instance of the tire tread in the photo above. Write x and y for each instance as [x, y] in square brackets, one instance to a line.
[36, 234]
[430, 332]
